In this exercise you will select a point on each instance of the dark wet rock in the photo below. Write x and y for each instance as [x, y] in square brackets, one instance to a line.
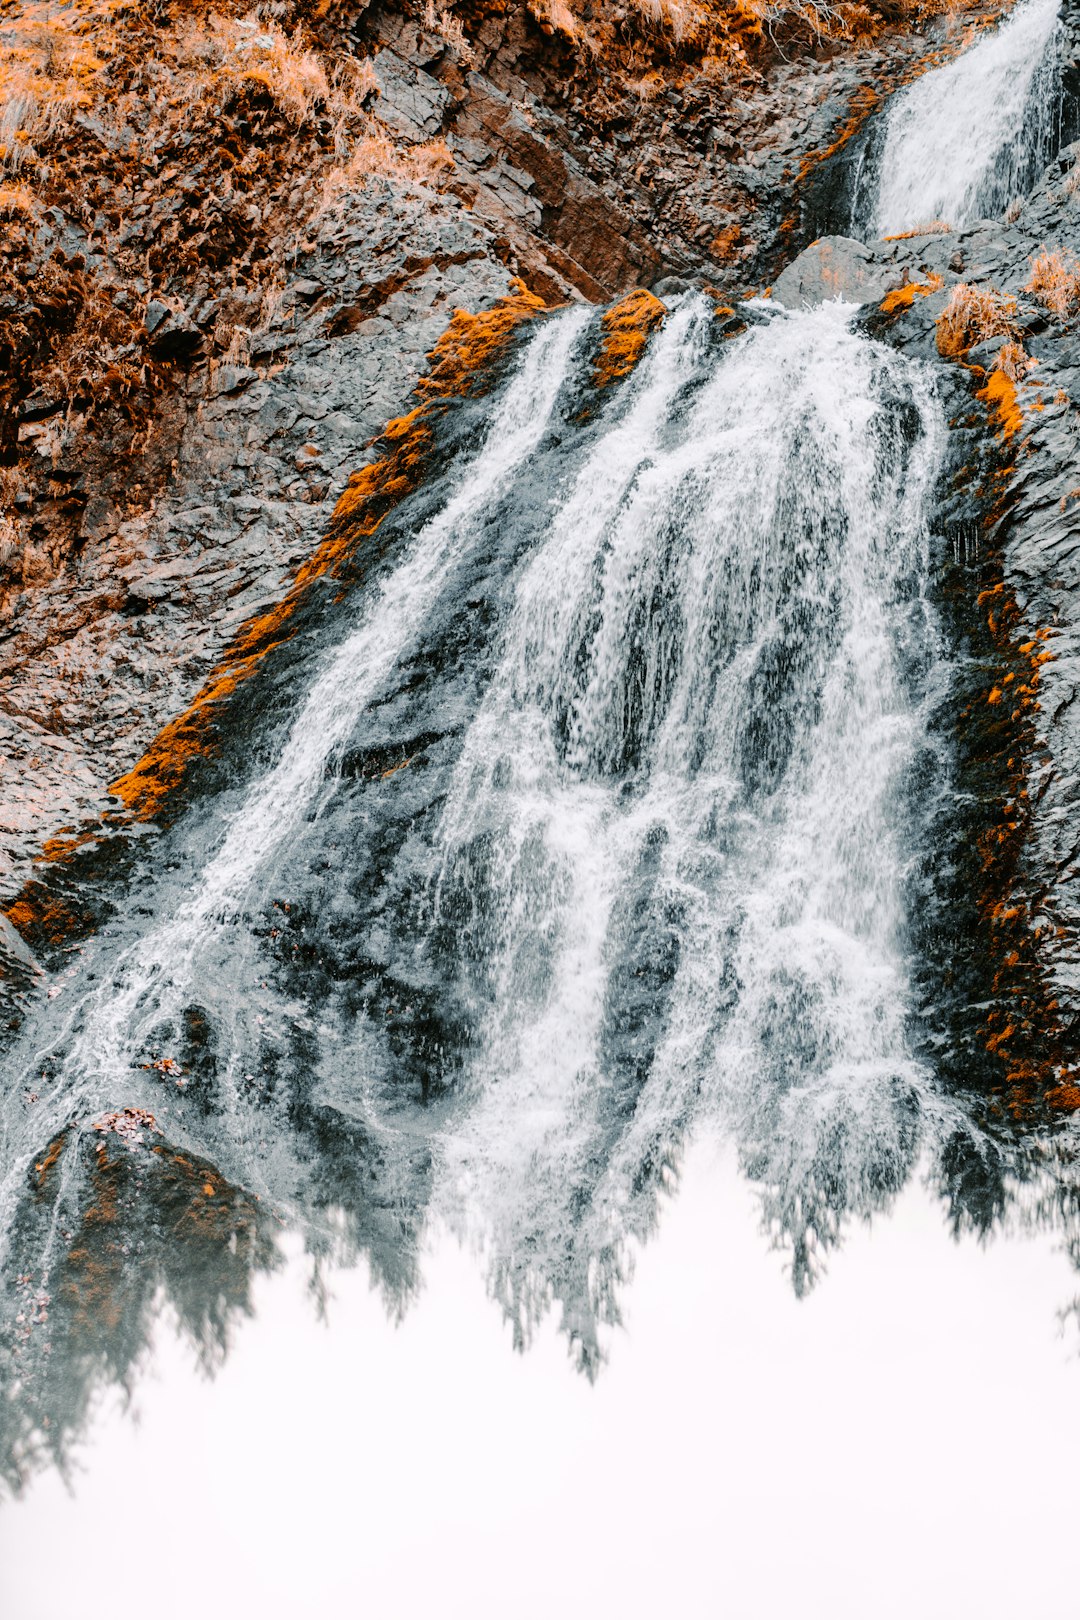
[671, 286]
[1033, 527]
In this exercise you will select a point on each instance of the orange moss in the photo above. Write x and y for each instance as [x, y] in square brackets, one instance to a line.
[999, 393]
[458, 363]
[627, 326]
[725, 243]
[903, 297]
[35, 912]
[63, 848]
[1064, 1097]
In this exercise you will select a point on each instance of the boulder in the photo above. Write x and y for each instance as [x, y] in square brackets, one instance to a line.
[833, 267]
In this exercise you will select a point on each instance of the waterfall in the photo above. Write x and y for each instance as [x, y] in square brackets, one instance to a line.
[682, 802]
[659, 873]
[963, 141]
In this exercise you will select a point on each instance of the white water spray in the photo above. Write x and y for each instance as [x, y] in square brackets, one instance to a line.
[701, 714]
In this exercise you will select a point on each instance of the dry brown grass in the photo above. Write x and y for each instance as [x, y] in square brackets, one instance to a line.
[55, 61]
[375, 154]
[972, 315]
[682, 20]
[648, 88]
[227, 56]
[555, 17]
[716, 39]
[1014, 361]
[449, 28]
[933, 227]
[17, 201]
[51, 57]
[1055, 282]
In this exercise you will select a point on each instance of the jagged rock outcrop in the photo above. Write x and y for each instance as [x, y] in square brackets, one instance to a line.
[102, 655]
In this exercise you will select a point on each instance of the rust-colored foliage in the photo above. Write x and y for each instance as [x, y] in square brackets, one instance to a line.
[933, 227]
[972, 315]
[1013, 361]
[458, 362]
[627, 326]
[1055, 282]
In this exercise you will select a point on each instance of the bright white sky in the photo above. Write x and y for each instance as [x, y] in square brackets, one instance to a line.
[903, 1444]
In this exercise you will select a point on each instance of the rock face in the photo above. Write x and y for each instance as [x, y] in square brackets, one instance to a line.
[96, 663]
[705, 178]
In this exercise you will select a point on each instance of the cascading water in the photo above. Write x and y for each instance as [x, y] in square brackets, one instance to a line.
[688, 770]
[652, 869]
[151, 978]
[965, 140]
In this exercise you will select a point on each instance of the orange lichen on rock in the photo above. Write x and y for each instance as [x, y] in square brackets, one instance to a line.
[471, 342]
[999, 392]
[627, 326]
[65, 845]
[459, 362]
[50, 1158]
[39, 915]
[725, 243]
[903, 297]
[862, 105]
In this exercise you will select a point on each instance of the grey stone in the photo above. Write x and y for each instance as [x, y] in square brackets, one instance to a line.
[834, 267]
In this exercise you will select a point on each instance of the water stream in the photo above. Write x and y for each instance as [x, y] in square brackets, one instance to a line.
[964, 141]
